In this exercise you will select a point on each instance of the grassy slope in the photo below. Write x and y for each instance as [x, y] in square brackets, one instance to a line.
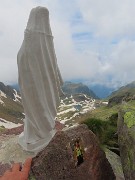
[103, 122]
[123, 91]
[12, 111]
[104, 112]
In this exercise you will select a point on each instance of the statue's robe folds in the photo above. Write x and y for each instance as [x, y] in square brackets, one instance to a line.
[40, 82]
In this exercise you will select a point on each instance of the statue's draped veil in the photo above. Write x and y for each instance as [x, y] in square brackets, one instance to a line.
[39, 80]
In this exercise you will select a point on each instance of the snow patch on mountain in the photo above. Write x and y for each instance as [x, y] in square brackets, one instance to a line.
[1, 102]
[2, 95]
[16, 96]
[105, 102]
[66, 111]
[8, 124]
[73, 106]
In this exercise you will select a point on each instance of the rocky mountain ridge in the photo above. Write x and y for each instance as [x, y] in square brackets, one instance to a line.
[10, 92]
[75, 88]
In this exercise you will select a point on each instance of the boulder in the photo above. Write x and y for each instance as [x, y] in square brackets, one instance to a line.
[126, 139]
[115, 162]
[58, 160]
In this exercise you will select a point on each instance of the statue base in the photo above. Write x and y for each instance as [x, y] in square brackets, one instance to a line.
[36, 146]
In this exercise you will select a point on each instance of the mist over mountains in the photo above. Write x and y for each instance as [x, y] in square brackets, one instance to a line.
[96, 91]
[75, 88]
[79, 86]
[101, 91]
[72, 88]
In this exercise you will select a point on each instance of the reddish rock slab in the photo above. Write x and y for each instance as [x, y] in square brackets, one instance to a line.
[59, 126]
[57, 160]
[15, 131]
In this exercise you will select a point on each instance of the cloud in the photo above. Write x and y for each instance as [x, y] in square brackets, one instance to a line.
[123, 61]
[94, 40]
[109, 18]
[13, 18]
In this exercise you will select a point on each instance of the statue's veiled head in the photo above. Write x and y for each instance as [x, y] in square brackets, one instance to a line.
[39, 20]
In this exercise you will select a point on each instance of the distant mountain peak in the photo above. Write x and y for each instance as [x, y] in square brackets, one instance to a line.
[75, 88]
[125, 93]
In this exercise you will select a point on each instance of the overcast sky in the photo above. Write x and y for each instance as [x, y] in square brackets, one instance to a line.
[94, 40]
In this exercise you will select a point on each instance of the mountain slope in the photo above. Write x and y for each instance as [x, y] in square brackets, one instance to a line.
[101, 91]
[75, 88]
[10, 105]
[125, 93]
[71, 106]
[74, 106]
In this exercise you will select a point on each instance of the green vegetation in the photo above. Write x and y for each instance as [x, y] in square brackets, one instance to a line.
[104, 130]
[103, 113]
[130, 160]
[103, 122]
[2, 129]
[129, 89]
[63, 108]
[31, 177]
[129, 119]
[115, 162]
[123, 91]
[129, 116]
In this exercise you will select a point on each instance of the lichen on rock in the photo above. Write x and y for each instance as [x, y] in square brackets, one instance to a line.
[129, 118]
[115, 162]
[126, 139]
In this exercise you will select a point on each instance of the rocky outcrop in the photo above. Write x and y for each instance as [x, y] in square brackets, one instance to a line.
[8, 90]
[58, 160]
[115, 162]
[126, 138]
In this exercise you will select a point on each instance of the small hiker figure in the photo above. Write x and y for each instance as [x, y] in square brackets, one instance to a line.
[78, 152]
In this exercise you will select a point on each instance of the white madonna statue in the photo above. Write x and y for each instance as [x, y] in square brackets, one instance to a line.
[40, 82]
